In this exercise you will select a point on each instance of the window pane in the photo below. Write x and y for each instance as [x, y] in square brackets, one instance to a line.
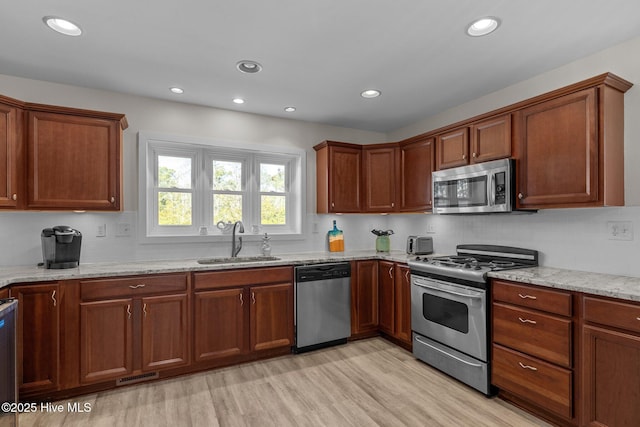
[273, 210]
[227, 176]
[271, 178]
[174, 172]
[227, 208]
[174, 208]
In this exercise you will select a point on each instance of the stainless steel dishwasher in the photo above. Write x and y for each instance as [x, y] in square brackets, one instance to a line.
[8, 381]
[323, 305]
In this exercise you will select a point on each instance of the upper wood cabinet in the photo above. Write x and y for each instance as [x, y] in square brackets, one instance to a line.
[491, 139]
[380, 177]
[488, 139]
[416, 164]
[73, 161]
[58, 158]
[11, 153]
[452, 148]
[570, 147]
[338, 177]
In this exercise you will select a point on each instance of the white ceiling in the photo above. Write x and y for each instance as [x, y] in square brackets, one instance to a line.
[318, 55]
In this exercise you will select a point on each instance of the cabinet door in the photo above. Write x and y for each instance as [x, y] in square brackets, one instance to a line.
[364, 297]
[219, 325]
[558, 150]
[271, 316]
[10, 155]
[345, 183]
[403, 303]
[38, 337]
[165, 332]
[611, 377]
[416, 165]
[386, 296]
[380, 179]
[73, 162]
[452, 149]
[491, 139]
[106, 339]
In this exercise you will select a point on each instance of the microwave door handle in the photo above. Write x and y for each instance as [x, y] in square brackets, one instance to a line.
[492, 190]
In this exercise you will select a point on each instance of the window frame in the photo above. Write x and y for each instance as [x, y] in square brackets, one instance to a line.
[203, 152]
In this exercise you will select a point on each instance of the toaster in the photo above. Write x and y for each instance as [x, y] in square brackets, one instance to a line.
[419, 245]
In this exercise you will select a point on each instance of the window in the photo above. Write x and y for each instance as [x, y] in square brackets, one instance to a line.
[193, 188]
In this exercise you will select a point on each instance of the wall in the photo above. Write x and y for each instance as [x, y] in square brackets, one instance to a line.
[566, 238]
[569, 238]
[20, 231]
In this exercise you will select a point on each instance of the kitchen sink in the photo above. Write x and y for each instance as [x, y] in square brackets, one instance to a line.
[230, 260]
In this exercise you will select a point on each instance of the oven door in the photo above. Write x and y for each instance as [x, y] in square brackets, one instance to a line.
[454, 315]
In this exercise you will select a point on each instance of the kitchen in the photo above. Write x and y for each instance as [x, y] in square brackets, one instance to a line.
[574, 239]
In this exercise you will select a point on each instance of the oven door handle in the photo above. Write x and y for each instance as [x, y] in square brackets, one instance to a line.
[448, 354]
[446, 291]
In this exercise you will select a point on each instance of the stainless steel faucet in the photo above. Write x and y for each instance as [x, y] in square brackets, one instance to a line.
[235, 250]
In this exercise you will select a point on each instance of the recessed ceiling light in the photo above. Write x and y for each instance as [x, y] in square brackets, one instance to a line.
[370, 93]
[238, 100]
[249, 67]
[289, 109]
[176, 90]
[483, 26]
[62, 26]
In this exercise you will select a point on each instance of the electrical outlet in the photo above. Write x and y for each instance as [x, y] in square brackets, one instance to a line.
[102, 230]
[620, 230]
[314, 228]
[123, 229]
[431, 229]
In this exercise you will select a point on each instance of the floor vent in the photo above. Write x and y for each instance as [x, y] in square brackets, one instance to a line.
[137, 378]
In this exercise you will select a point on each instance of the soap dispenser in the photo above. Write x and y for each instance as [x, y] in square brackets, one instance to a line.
[266, 246]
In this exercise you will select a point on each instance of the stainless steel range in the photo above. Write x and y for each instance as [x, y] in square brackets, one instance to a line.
[450, 310]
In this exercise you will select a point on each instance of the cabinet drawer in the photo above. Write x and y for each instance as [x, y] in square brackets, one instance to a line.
[539, 382]
[242, 277]
[612, 313]
[557, 302]
[131, 286]
[538, 334]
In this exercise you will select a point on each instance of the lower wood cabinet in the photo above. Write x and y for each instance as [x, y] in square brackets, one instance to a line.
[245, 318]
[364, 298]
[138, 331]
[38, 337]
[611, 363]
[394, 290]
[532, 351]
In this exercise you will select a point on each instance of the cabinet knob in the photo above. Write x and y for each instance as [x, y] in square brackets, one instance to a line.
[474, 155]
[520, 196]
[393, 205]
[113, 199]
[14, 197]
[333, 205]
[464, 157]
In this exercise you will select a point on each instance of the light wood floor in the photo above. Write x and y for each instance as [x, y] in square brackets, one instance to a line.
[363, 383]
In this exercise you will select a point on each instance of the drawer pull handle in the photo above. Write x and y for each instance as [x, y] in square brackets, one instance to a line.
[527, 296]
[523, 366]
[533, 322]
[637, 318]
[253, 297]
[142, 285]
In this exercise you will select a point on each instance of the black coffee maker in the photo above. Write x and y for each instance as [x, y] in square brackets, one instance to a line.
[61, 247]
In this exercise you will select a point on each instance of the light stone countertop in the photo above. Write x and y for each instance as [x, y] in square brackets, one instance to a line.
[22, 274]
[610, 285]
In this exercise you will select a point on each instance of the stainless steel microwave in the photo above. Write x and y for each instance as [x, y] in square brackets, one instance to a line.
[480, 188]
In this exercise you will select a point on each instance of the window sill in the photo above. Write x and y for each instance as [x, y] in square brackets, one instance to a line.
[217, 238]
